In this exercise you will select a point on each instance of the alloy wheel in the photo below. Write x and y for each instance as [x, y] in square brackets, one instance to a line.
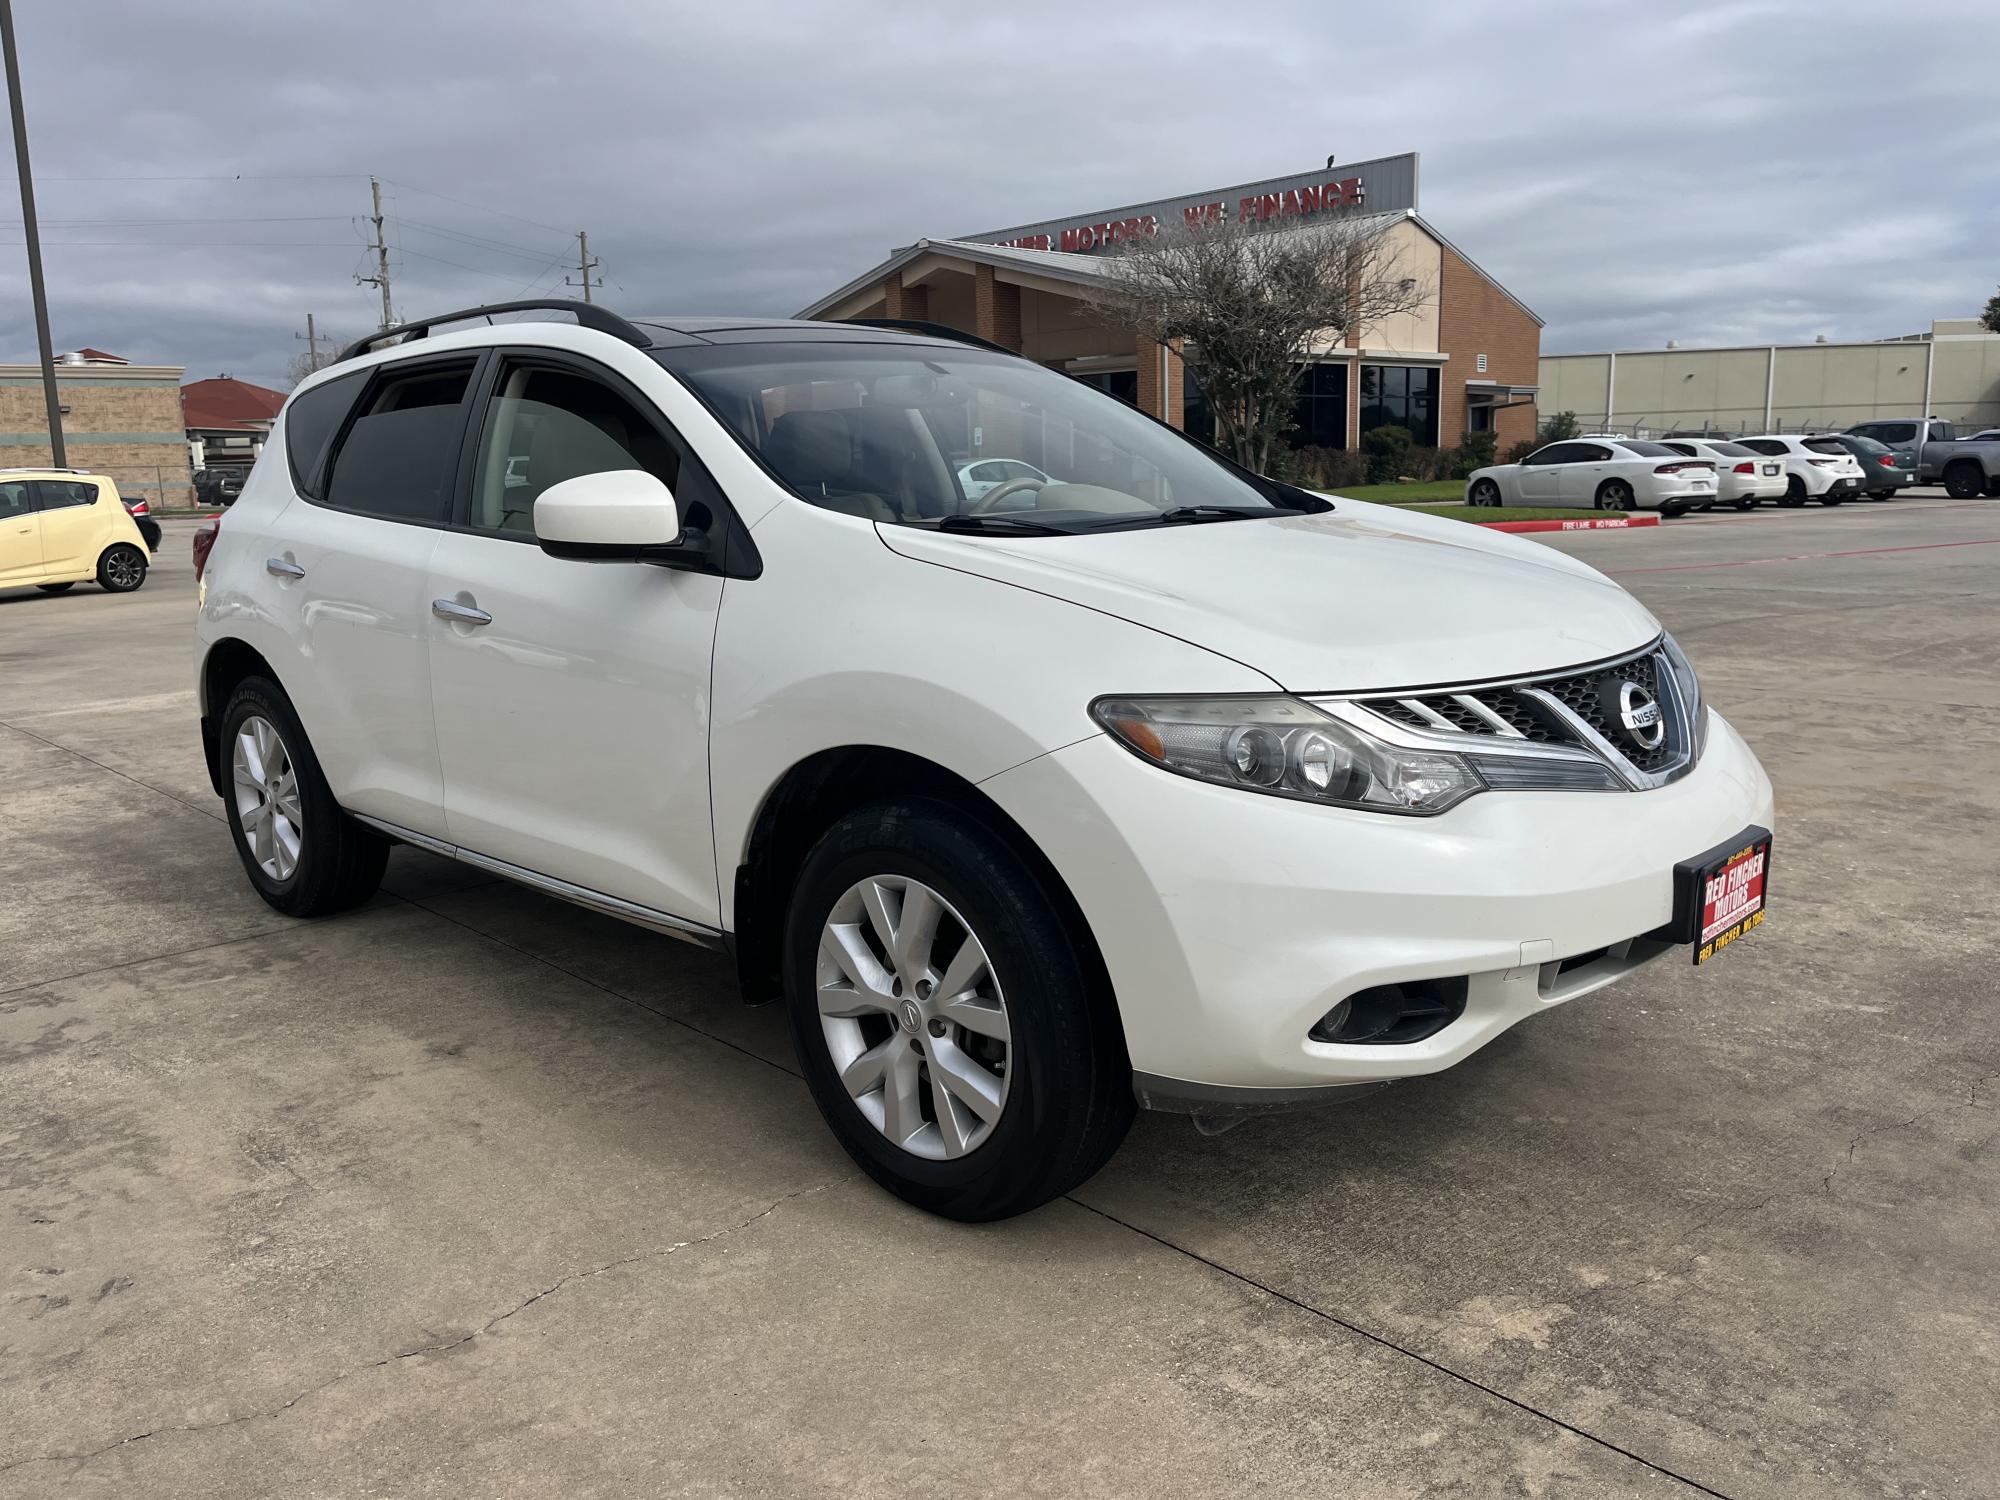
[267, 797]
[913, 1017]
[124, 568]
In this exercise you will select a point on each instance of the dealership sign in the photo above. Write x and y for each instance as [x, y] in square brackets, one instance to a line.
[1385, 186]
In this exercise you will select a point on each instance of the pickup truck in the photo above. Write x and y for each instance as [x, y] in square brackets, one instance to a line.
[1966, 467]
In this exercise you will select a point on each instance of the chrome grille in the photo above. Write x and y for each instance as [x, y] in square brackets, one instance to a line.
[1575, 711]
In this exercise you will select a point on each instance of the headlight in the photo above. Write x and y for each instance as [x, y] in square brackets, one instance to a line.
[1286, 748]
[1689, 687]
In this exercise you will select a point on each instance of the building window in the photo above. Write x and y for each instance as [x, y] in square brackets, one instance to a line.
[1319, 417]
[1401, 396]
[1124, 384]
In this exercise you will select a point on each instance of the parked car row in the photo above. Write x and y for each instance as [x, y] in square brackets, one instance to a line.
[1673, 475]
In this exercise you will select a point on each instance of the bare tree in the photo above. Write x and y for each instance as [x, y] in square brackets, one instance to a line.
[1246, 302]
[306, 361]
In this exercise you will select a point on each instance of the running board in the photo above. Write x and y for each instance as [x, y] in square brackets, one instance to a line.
[597, 901]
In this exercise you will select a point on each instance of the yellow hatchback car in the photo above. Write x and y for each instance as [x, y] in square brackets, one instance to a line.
[60, 527]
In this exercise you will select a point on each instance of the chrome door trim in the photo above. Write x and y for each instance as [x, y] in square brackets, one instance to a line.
[611, 906]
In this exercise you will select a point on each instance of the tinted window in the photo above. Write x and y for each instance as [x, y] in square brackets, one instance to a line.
[1555, 453]
[1687, 449]
[1590, 453]
[1863, 445]
[544, 426]
[1764, 445]
[1944, 432]
[1723, 450]
[1400, 396]
[310, 423]
[1831, 446]
[397, 456]
[1891, 432]
[17, 498]
[1653, 450]
[58, 494]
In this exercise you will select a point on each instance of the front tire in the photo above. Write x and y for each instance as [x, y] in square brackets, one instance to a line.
[1485, 492]
[961, 1045]
[121, 569]
[305, 856]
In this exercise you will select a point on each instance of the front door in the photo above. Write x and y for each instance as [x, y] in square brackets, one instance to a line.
[1541, 472]
[572, 698]
[74, 528]
[20, 533]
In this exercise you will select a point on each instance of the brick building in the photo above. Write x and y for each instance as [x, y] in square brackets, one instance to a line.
[1465, 362]
[119, 419]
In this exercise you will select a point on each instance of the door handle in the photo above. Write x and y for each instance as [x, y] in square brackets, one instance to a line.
[460, 614]
[277, 567]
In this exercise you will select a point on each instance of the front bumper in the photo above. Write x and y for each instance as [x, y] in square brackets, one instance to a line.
[1231, 922]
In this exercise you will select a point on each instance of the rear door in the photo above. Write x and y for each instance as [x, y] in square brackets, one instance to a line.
[1593, 464]
[572, 718]
[20, 533]
[74, 525]
[374, 458]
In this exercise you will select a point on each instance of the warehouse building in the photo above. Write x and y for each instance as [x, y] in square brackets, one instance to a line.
[1466, 362]
[1952, 372]
[119, 419]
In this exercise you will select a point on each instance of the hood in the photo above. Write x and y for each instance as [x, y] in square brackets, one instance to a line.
[1354, 599]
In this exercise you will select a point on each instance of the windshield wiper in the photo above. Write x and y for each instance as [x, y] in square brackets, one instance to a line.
[1000, 525]
[1184, 513]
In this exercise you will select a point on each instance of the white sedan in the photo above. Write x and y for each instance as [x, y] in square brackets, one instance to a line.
[980, 479]
[1743, 476]
[1604, 473]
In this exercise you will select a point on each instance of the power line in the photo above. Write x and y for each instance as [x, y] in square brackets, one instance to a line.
[199, 219]
[482, 208]
[477, 241]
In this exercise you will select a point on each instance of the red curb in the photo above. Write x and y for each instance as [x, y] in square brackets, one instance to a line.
[1588, 523]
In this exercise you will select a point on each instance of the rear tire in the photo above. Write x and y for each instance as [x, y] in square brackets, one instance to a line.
[1795, 493]
[1055, 1057]
[1964, 480]
[121, 569]
[1881, 494]
[1615, 494]
[305, 856]
[1747, 503]
[56, 588]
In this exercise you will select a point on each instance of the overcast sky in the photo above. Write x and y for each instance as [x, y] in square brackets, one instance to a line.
[1732, 172]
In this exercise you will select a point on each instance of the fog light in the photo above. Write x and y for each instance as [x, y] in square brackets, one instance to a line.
[1393, 1014]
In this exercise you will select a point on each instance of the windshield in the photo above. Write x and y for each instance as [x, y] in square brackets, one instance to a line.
[958, 439]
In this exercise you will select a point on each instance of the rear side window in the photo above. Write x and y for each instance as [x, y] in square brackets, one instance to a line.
[1590, 453]
[1944, 432]
[17, 498]
[310, 423]
[398, 456]
[59, 494]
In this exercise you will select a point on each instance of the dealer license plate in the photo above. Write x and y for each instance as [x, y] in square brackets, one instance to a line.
[1719, 895]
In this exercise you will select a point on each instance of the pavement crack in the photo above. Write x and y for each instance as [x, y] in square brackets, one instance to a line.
[441, 1347]
[1385, 1342]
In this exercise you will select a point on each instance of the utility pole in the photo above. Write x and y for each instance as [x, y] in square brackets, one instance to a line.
[584, 265]
[311, 336]
[381, 249]
[58, 456]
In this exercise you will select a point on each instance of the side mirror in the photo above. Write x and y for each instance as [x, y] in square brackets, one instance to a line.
[623, 515]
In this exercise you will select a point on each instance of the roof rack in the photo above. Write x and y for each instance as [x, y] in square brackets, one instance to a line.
[588, 315]
[932, 330]
[39, 469]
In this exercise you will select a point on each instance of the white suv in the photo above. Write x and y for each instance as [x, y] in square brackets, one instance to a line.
[1144, 780]
[1816, 468]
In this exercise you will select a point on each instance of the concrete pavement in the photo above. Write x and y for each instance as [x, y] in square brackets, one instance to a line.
[470, 1192]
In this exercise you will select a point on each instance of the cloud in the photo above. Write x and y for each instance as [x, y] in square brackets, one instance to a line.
[1632, 171]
